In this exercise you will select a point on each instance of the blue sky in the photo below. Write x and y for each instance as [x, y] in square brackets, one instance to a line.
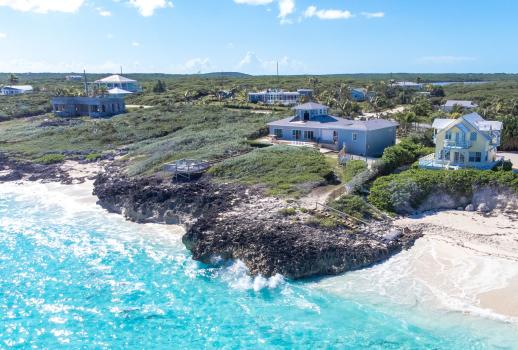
[305, 36]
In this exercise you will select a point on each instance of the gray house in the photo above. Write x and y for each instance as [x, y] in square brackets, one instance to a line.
[95, 107]
[312, 123]
[451, 104]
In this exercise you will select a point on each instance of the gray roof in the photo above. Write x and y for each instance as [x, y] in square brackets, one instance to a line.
[328, 122]
[441, 123]
[461, 103]
[115, 79]
[309, 106]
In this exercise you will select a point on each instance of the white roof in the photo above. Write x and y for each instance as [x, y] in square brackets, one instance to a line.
[440, 124]
[474, 119]
[118, 91]
[461, 103]
[20, 87]
[117, 79]
[309, 106]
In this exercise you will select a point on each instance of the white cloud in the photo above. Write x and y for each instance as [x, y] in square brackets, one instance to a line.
[253, 2]
[3, 35]
[43, 6]
[194, 65]
[445, 59]
[103, 13]
[253, 64]
[135, 44]
[312, 11]
[286, 8]
[373, 14]
[147, 8]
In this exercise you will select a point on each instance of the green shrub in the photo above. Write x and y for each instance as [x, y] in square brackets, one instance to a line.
[93, 157]
[409, 189]
[284, 170]
[51, 159]
[353, 205]
[288, 211]
[353, 168]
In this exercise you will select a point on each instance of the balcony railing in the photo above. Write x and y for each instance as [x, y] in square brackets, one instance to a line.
[457, 144]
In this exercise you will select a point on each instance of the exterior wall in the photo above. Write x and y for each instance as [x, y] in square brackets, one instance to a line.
[131, 87]
[10, 92]
[95, 107]
[378, 140]
[353, 145]
[310, 113]
[275, 97]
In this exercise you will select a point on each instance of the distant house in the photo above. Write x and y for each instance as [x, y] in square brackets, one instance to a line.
[16, 90]
[74, 78]
[450, 105]
[312, 123]
[467, 142]
[118, 81]
[359, 94]
[408, 85]
[95, 107]
[279, 96]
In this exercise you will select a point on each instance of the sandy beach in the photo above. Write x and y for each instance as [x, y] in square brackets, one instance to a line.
[466, 262]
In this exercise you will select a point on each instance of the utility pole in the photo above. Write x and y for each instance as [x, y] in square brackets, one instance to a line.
[86, 82]
[278, 84]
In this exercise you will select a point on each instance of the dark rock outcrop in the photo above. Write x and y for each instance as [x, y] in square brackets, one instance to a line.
[234, 222]
[15, 170]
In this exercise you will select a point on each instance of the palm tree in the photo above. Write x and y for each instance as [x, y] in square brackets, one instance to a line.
[13, 79]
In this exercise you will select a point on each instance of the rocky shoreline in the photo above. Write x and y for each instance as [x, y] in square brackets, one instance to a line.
[229, 221]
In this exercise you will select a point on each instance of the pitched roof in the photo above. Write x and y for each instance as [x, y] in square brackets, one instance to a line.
[19, 87]
[309, 106]
[118, 91]
[461, 103]
[327, 122]
[116, 78]
[362, 90]
[440, 124]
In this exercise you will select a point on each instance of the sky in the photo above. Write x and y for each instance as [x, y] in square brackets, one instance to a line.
[251, 36]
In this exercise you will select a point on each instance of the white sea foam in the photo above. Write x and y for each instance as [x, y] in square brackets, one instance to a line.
[238, 276]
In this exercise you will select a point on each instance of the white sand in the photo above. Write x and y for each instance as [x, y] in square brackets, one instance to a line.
[466, 263]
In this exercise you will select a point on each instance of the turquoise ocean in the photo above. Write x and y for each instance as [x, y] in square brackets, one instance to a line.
[75, 277]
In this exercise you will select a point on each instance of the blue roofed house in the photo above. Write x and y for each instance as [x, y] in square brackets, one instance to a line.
[312, 123]
[467, 142]
[16, 90]
[359, 94]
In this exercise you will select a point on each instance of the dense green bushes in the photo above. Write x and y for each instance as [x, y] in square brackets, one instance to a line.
[354, 206]
[51, 159]
[404, 153]
[284, 170]
[353, 168]
[411, 188]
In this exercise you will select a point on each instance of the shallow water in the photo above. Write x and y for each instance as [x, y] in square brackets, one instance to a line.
[73, 276]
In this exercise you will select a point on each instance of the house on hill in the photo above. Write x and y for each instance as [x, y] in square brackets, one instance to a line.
[359, 94]
[451, 104]
[118, 81]
[467, 142]
[279, 96]
[313, 124]
[94, 107]
[16, 90]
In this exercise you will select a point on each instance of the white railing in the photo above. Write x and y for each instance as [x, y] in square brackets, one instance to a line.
[457, 144]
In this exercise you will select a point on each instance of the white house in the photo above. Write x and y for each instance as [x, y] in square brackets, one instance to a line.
[15, 90]
[450, 105]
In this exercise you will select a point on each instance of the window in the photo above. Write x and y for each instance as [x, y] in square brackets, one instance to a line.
[306, 116]
[355, 136]
[308, 135]
[475, 157]
[447, 155]
[278, 133]
[473, 136]
[448, 135]
[296, 134]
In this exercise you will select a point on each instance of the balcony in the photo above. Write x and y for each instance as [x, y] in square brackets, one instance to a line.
[457, 144]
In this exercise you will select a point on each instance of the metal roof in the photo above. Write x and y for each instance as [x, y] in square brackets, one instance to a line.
[119, 91]
[19, 87]
[332, 122]
[461, 103]
[116, 79]
[310, 106]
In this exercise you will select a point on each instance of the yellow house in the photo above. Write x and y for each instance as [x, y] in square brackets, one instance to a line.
[467, 142]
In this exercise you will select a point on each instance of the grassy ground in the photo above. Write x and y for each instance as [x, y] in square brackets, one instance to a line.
[284, 170]
[153, 136]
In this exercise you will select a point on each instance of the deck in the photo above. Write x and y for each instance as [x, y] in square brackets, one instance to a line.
[429, 162]
[187, 168]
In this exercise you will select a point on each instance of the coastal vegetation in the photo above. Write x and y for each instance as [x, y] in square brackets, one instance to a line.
[284, 170]
[412, 187]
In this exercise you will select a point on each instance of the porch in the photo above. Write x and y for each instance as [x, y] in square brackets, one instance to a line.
[429, 162]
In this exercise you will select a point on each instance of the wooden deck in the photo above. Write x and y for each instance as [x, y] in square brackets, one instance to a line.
[187, 168]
